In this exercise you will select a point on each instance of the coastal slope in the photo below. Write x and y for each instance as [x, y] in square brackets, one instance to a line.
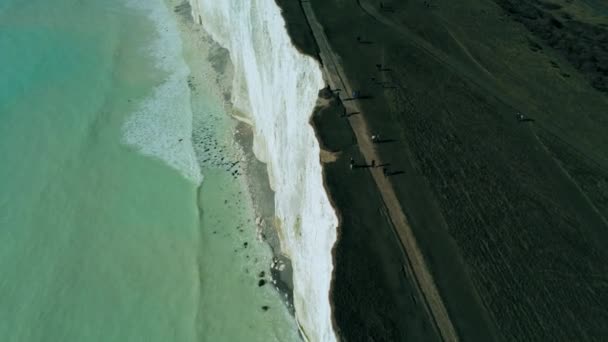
[277, 88]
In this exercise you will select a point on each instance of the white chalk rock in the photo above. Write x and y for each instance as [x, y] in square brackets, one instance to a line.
[278, 87]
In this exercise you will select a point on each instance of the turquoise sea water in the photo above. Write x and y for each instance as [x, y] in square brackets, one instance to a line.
[101, 239]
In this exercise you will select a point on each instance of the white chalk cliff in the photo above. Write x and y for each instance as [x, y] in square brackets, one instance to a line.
[278, 87]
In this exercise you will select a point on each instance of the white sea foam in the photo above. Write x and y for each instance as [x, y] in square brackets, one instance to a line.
[278, 87]
[161, 126]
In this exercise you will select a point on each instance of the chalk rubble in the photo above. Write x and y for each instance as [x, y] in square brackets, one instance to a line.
[278, 87]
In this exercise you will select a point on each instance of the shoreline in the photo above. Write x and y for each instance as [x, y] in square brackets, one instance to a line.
[305, 220]
[262, 197]
[255, 180]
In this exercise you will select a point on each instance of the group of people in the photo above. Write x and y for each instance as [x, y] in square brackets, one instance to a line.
[375, 139]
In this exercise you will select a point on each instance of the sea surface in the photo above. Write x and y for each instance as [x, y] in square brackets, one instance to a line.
[122, 217]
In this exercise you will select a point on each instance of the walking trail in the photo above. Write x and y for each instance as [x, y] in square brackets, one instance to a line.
[414, 263]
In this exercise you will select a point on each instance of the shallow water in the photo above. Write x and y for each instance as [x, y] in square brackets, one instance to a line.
[107, 237]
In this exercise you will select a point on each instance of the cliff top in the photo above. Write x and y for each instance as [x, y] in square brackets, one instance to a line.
[492, 122]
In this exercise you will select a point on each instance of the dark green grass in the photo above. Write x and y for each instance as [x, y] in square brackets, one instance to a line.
[373, 298]
[298, 28]
[516, 248]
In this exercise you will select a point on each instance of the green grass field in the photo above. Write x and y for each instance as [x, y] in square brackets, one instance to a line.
[511, 215]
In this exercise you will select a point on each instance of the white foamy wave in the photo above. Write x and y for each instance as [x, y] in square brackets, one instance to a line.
[161, 127]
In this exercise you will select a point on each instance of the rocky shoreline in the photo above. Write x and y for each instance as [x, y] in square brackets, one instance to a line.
[262, 197]
[253, 172]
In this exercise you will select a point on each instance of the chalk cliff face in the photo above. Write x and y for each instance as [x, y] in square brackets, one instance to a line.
[278, 87]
